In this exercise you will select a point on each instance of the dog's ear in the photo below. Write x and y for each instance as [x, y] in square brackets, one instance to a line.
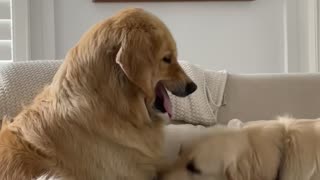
[135, 58]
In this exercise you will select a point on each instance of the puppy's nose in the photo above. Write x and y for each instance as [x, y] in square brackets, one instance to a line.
[190, 88]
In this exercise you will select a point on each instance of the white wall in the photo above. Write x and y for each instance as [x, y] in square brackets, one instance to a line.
[245, 37]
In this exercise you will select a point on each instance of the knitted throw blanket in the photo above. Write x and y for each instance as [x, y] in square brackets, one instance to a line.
[202, 106]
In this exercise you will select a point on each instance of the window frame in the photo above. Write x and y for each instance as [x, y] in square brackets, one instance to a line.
[161, 0]
[20, 30]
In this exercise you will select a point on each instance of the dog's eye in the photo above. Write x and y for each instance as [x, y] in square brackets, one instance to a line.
[167, 59]
[192, 168]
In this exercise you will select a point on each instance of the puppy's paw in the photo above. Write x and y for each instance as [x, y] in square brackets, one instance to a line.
[235, 123]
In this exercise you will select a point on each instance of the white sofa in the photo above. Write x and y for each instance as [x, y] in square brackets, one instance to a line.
[246, 97]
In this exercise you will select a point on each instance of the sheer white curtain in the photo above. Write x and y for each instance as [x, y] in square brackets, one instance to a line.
[5, 30]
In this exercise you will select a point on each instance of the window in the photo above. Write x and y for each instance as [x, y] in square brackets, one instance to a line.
[5, 30]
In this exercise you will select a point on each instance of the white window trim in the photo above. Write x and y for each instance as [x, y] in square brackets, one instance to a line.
[48, 28]
[302, 36]
[292, 53]
[312, 36]
[20, 30]
[318, 34]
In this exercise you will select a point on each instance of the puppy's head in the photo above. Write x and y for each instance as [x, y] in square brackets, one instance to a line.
[216, 157]
[250, 153]
[148, 56]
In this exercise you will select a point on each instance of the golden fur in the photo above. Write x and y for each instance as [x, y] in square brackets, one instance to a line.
[284, 149]
[5, 121]
[96, 119]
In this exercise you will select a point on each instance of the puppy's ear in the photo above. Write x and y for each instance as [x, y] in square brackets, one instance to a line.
[240, 170]
[231, 172]
[180, 150]
[135, 58]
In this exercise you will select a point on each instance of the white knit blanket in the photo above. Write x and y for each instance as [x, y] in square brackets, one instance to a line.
[203, 105]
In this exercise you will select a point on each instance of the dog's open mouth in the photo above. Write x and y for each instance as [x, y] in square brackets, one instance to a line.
[162, 102]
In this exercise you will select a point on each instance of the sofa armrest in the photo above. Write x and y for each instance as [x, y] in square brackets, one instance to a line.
[21, 81]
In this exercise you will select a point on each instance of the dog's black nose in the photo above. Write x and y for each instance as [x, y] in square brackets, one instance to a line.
[190, 88]
[185, 90]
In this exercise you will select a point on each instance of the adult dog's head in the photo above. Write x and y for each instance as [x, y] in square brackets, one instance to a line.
[132, 50]
[148, 56]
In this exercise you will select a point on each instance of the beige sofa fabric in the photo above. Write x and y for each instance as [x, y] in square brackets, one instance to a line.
[247, 97]
[265, 96]
[19, 82]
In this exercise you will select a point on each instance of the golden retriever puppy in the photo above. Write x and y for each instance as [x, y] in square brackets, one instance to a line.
[99, 118]
[301, 155]
[263, 150]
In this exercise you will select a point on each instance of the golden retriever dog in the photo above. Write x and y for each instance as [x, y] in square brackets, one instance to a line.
[283, 149]
[99, 118]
